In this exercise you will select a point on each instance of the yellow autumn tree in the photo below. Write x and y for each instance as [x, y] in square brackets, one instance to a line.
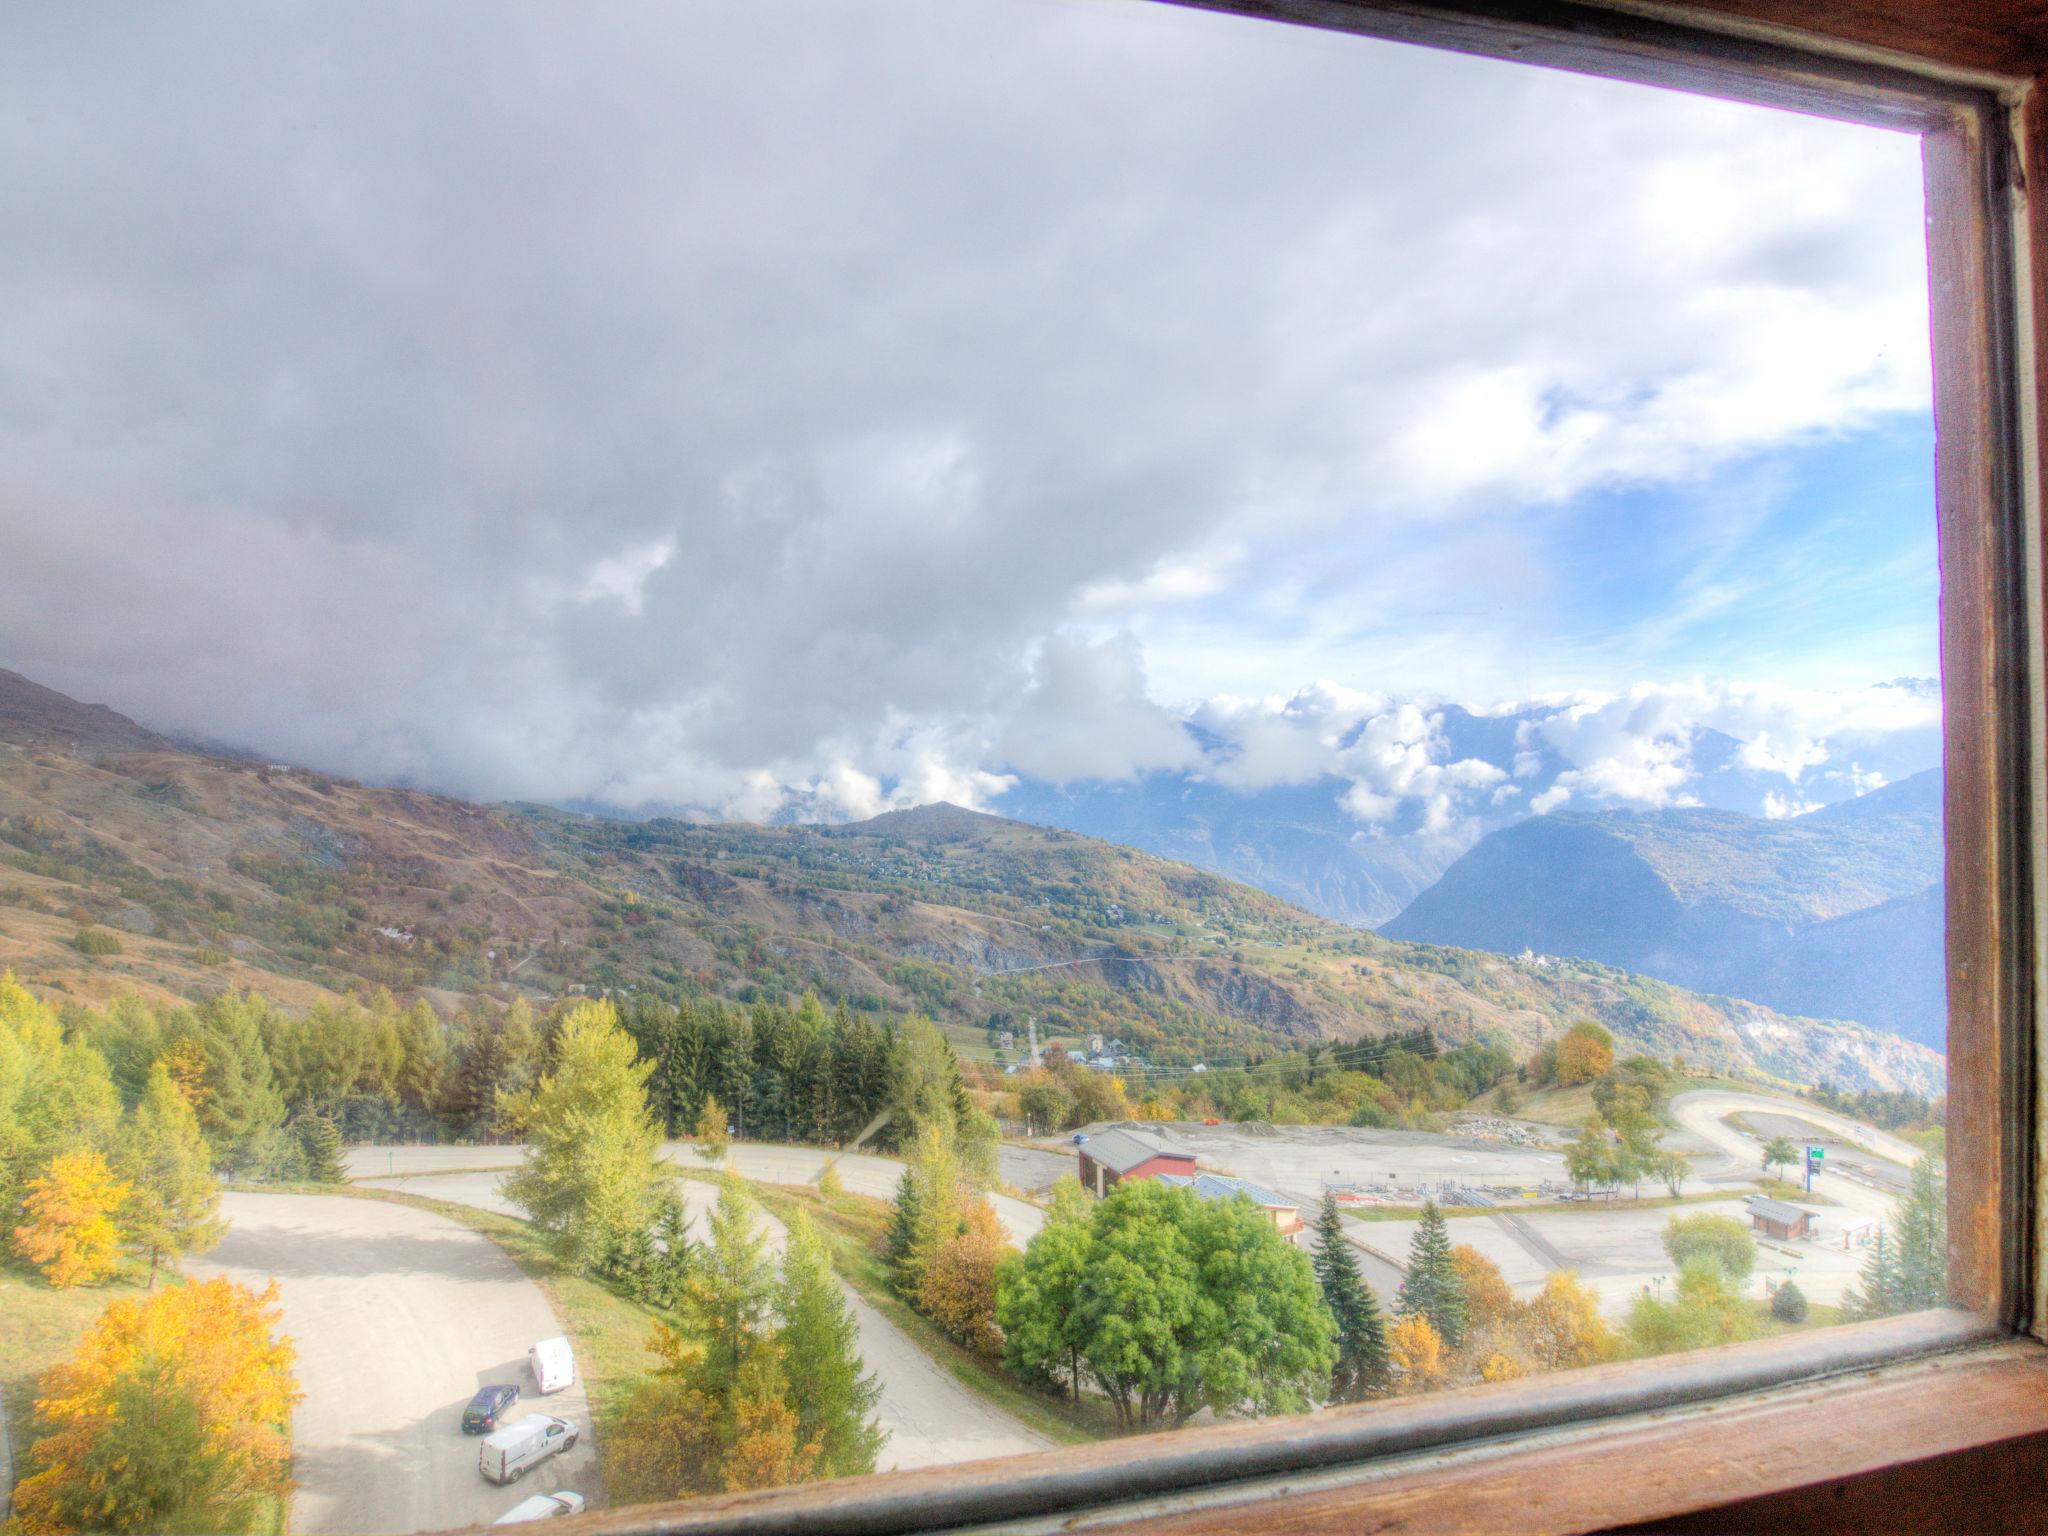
[959, 1289]
[174, 1414]
[1562, 1325]
[68, 1231]
[1416, 1351]
[1500, 1367]
[1489, 1304]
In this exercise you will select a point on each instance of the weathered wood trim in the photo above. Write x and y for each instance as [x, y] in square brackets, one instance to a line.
[1232, 1462]
[1648, 1474]
[1649, 46]
[1988, 669]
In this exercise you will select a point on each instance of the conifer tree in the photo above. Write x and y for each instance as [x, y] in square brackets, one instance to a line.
[320, 1141]
[173, 1204]
[1433, 1289]
[834, 1400]
[590, 1183]
[1923, 1239]
[899, 1244]
[1361, 1367]
[1881, 1292]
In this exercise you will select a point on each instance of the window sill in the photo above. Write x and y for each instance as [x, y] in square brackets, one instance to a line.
[1582, 1450]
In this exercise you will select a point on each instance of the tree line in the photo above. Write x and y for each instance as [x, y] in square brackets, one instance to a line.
[174, 1412]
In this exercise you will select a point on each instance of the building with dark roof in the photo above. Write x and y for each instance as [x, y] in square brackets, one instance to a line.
[1283, 1212]
[1774, 1218]
[1110, 1157]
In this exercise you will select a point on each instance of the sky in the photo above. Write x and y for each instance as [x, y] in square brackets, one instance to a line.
[815, 406]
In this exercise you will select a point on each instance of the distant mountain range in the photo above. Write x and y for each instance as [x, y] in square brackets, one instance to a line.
[212, 872]
[1300, 842]
[1834, 914]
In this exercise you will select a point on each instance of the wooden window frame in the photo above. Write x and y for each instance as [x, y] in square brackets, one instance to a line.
[1652, 1440]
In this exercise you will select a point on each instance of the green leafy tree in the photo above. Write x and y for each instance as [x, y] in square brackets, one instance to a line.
[1778, 1153]
[1589, 1160]
[1136, 1303]
[1705, 1311]
[1265, 1342]
[591, 1179]
[1037, 1293]
[1720, 1240]
[173, 1204]
[1361, 1367]
[834, 1400]
[1432, 1287]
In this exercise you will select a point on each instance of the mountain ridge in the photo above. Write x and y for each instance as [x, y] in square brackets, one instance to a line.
[215, 873]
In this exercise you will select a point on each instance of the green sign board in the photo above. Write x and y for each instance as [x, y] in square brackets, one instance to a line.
[1816, 1153]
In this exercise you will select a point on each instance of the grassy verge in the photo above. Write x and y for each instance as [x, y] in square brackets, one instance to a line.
[609, 1332]
[852, 1227]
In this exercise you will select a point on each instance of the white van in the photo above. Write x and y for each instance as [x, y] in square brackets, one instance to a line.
[553, 1366]
[519, 1447]
[542, 1506]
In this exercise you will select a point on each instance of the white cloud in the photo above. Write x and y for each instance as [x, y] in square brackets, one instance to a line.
[1087, 716]
[746, 470]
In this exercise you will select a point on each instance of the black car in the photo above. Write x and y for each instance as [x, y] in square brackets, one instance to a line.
[485, 1409]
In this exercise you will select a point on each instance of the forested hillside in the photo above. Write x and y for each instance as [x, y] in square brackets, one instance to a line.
[127, 863]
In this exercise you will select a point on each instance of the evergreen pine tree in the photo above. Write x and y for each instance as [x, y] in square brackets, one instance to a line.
[1361, 1334]
[1880, 1294]
[173, 1205]
[833, 1400]
[899, 1245]
[1433, 1288]
[1923, 1240]
[320, 1141]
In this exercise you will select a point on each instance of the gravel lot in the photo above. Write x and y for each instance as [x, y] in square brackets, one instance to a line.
[1297, 1159]
[398, 1315]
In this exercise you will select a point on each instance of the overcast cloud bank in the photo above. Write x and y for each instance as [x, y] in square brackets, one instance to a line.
[810, 409]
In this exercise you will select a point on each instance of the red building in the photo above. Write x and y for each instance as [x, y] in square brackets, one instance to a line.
[1110, 1157]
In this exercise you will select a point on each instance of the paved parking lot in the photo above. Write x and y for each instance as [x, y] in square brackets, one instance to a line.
[398, 1316]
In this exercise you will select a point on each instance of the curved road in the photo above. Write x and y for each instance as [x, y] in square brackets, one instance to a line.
[398, 1315]
[1704, 1112]
[931, 1418]
[861, 1172]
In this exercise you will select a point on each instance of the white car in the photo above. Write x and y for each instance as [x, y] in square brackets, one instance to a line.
[542, 1506]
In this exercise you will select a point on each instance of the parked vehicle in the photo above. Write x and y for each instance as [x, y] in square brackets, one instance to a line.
[487, 1408]
[553, 1366]
[510, 1453]
[542, 1506]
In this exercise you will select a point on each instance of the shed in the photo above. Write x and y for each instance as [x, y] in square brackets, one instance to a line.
[1281, 1211]
[1110, 1157]
[1774, 1218]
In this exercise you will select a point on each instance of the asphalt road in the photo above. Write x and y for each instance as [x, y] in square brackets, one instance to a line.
[1704, 1113]
[931, 1418]
[861, 1172]
[398, 1315]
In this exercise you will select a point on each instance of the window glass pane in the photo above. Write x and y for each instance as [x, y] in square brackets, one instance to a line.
[784, 740]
